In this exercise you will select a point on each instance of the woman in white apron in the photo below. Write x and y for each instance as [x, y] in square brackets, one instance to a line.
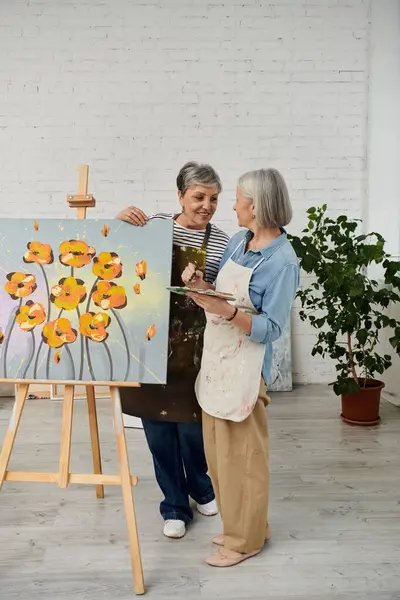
[260, 269]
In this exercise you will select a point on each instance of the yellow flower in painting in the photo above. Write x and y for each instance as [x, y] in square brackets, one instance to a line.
[107, 266]
[141, 269]
[59, 332]
[93, 325]
[75, 253]
[109, 295]
[2, 337]
[39, 253]
[30, 315]
[20, 285]
[68, 293]
[136, 288]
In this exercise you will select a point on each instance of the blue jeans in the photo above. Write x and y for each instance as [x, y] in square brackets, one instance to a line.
[180, 466]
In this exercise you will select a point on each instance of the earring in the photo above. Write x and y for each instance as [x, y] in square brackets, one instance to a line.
[253, 216]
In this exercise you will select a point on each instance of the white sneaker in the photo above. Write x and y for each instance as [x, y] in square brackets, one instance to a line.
[174, 529]
[208, 510]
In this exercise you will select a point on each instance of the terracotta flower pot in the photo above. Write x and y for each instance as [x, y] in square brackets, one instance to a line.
[362, 408]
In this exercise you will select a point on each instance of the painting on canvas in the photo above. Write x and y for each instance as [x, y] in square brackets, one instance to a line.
[281, 371]
[84, 300]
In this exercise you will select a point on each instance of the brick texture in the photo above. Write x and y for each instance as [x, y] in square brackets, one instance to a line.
[135, 88]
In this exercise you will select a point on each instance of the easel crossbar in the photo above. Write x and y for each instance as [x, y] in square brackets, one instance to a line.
[81, 478]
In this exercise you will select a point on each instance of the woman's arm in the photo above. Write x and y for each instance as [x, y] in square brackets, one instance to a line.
[276, 306]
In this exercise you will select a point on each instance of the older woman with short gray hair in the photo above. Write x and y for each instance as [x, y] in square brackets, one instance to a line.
[171, 415]
[261, 271]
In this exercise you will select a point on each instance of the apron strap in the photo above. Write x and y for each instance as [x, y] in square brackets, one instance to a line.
[206, 235]
[237, 248]
[258, 264]
[206, 238]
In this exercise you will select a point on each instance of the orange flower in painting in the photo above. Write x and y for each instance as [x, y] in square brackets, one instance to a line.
[75, 253]
[57, 357]
[109, 295]
[151, 332]
[107, 266]
[36, 226]
[136, 288]
[30, 315]
[59, 332]
[20, 285]
[141, 269]
[68, 293]
[39, 253]
[2, 337]
[93, 326]
[105, 231]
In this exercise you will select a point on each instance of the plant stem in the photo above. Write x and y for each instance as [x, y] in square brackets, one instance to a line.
[31, 355]
[128, 354]
[48, 292]
[7, 340]
[68, 351]
[89, 360]
[91, 294]
[35, 367]
[109, 360]
[351, 361]
[81, 361]
[48, 363]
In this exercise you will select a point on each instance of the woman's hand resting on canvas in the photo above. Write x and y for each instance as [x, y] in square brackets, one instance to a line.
[133, 215]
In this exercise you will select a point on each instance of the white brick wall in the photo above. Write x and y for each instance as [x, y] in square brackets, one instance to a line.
[135, 88]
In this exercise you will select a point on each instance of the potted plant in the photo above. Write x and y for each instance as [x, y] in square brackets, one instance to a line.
[347, 307]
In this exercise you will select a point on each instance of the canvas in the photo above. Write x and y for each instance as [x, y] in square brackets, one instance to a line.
[84, 301]
[281, 370]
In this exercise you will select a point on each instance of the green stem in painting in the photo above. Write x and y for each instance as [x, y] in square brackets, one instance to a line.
[8, 333]
[68, 351]
[80, 376]
[90, 366]
[32, 354]
[128, 354]
[91, 294]
[107, 349]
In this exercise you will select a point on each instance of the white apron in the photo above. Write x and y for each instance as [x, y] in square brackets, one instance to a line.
[228, 383]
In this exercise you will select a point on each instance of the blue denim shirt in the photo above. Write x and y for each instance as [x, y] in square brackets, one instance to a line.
[273, 287]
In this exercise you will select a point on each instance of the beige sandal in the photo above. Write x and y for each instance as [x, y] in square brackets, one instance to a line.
[228, 558]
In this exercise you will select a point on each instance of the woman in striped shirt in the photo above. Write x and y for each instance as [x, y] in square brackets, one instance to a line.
[171, 415]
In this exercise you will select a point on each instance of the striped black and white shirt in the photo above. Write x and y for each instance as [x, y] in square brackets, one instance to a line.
[193, 238]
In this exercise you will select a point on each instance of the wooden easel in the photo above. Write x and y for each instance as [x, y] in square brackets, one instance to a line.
[63, 477]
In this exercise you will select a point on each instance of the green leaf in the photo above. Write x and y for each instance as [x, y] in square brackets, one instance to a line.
[362, 336]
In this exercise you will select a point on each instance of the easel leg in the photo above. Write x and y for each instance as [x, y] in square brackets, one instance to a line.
[21, 394]
[94, 436]
[66, 434]
[126, 484]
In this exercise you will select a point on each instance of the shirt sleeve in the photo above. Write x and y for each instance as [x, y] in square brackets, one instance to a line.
[276, 306]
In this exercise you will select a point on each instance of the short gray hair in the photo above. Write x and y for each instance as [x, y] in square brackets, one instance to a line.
[193, 173]
[267, 189]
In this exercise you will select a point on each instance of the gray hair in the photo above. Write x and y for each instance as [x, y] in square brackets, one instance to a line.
[193, 173]
[267, 189]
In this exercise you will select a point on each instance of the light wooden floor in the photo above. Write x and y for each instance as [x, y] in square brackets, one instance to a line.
[335, 515]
